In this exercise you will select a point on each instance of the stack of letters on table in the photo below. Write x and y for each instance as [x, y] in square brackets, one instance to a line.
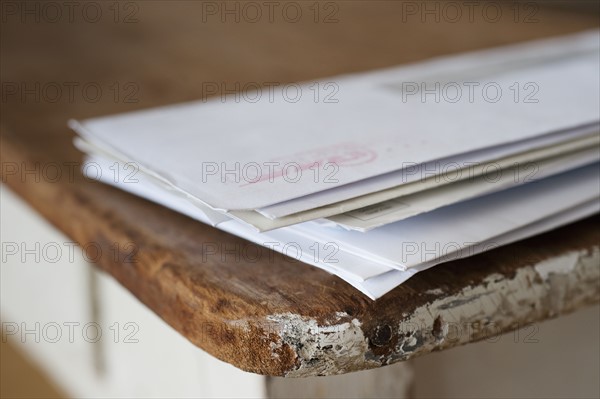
[376, 176]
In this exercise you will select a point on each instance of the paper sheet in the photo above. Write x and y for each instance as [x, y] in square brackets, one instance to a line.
[391, 211]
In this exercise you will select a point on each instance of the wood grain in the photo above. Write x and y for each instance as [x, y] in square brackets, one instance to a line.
[275, 316]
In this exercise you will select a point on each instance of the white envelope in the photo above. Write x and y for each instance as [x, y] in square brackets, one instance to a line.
[391, 211]
[378, 286]
[369, 189]
[368, 276]
[429, 182]
[336, 254]
[430, 236]
[322, 255]
[244, 155]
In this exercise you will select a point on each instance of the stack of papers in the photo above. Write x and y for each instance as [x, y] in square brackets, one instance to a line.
[376, 176]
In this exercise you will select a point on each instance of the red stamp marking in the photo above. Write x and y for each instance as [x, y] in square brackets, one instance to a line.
[336, 156]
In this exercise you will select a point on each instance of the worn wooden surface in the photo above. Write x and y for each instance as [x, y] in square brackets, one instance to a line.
[276, 316]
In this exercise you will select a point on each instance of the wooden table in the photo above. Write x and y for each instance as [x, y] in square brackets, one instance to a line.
[277, 317]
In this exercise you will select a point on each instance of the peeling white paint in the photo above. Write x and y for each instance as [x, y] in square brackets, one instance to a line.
[487, 309]
[322, 350]
[498, 304]
[559, 265]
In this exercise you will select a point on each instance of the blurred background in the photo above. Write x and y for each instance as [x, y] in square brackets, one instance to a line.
[79, 59]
